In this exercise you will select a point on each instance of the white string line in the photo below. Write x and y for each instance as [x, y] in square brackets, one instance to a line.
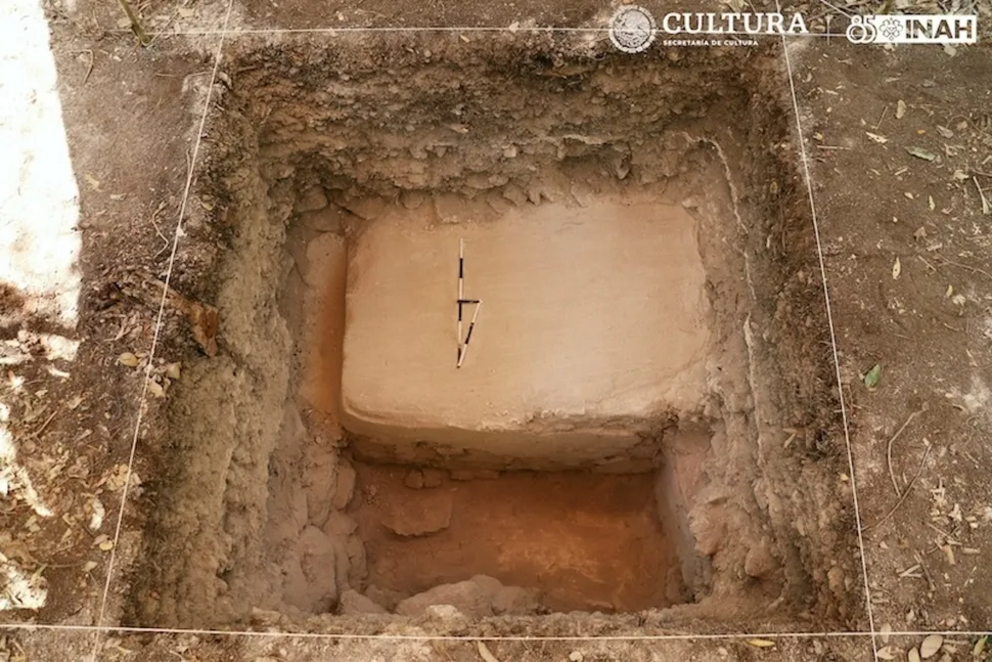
[424, 29]
[833, 343]
[853, 634]
[223, 33]
[158, 329]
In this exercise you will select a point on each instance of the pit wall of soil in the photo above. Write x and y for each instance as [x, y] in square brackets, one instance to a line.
[374, 121]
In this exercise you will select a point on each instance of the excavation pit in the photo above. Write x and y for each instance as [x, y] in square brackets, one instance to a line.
[613, 441]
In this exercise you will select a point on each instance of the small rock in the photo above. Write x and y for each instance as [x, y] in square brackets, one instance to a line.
[709, 527]
[366, 208]
[330, 219]
[412, 199]
[490, 585]
[534, 192]
[446, 617]
[466, 597]
[420, 516]
[312, 199]
[358, 568]
[575, 656]
[339, 525]
[515, 194]
[345, 487]
[515, 601]
[414, 479]
[835, 579]
[759, 561]
[433, 477]
[266, 617]
[353, 602]
[319, 479]
[385, 598]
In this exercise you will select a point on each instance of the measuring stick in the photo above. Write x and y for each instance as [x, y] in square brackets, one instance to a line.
[461, 290]
[468, 338]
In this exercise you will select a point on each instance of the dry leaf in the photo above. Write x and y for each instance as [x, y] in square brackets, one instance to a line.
[930, 203]
[761, 643]
[877, 138]
[980, 646]
[872, 377]
[486, 654]
[913, 655]
[155, 388]
[172, 371]
[960, 175]
[944, 131]
[896, 269]
[514, 27]
[96, 517]
[921, 153]
[91, 180]
[931, 645]
[89, 565]
[116, 478]
[128, 359]
[900, 109]
[885, 632]
[886, 653]
[204, 321]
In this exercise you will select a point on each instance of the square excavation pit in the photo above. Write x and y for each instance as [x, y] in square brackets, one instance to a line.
[642, 435]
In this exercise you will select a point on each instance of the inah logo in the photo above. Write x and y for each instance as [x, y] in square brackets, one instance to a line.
[913, 29]
[632, 29]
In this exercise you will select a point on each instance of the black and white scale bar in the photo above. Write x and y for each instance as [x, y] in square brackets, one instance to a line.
[463, 350]
[461, 291]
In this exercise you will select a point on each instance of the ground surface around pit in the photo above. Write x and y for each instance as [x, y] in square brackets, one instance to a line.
[101, 73]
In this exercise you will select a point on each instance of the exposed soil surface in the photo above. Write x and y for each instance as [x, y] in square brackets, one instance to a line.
[294, 187]
[920, 437]
[250, 504]
[588, 542]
